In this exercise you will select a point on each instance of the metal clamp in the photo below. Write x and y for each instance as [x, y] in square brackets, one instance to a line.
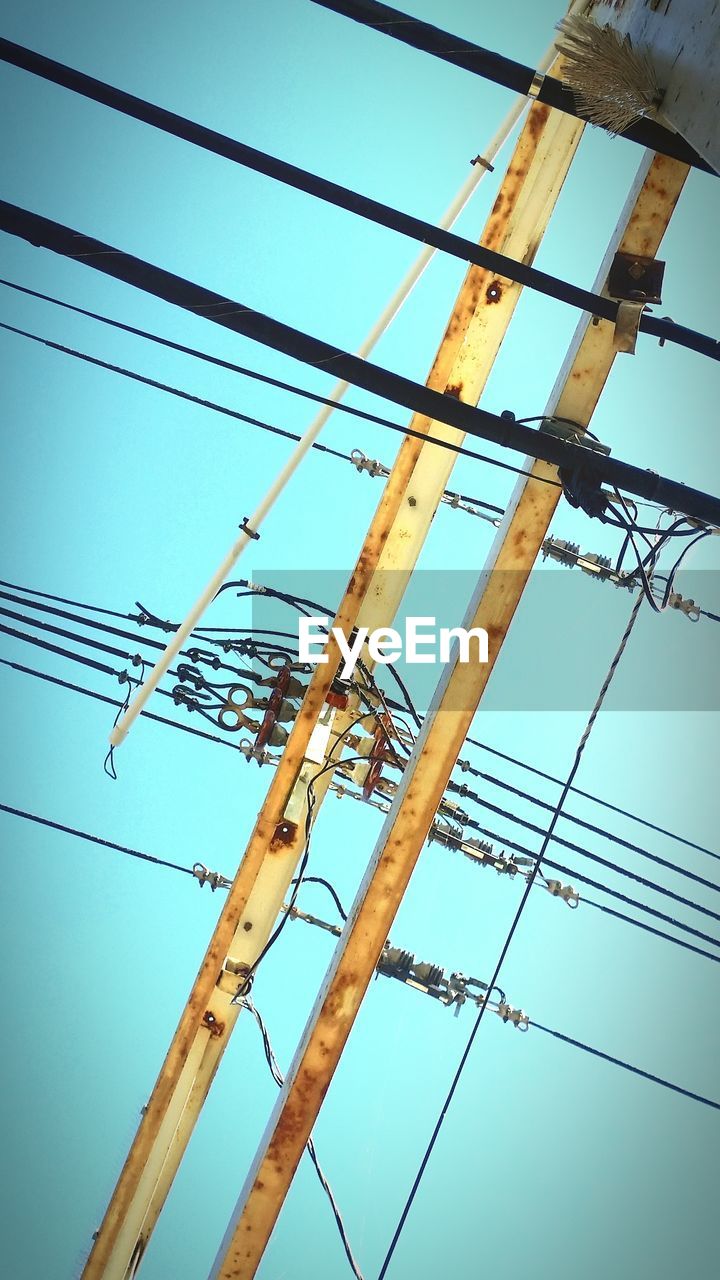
[213, 878]
[564, 891]
[518, 1017]
[627, 324]
[688, 607]
[246, 529]
[361, 462]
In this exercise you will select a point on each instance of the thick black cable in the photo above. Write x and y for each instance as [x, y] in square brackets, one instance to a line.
[584, 465]
[342, 197]
[627, 1066]
[191, 654]
[45, 595]
[62, 653]
[28, 602]
[531, 879]
[84, 835]
[504, 71]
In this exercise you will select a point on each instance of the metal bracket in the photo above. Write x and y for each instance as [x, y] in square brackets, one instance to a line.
[574, 434]
[634, 278]
[627, 324]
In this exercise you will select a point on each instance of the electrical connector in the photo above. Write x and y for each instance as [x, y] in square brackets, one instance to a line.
[518, 1017]
[564, 891]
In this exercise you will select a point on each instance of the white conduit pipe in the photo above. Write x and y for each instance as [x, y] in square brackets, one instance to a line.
[480, 168]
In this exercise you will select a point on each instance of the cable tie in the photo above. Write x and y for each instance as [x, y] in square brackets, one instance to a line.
[246, 529]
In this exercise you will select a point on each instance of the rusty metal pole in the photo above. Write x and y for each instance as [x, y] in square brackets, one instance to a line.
[414, 490]
[518, 542]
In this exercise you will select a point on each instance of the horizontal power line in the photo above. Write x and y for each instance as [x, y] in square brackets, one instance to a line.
[579, 461]
[116, 702]
[595, 884]
[99, 840]
[604, 862]
[455, 788]
[461, 790]
[473, 822]
[588, 795]
[627, 1066]
[649, 928]
[490, 834]
[174, 866]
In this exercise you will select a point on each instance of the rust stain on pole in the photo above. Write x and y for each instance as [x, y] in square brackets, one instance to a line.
[511, 560]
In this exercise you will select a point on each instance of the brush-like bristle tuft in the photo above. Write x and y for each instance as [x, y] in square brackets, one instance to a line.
[613, 85]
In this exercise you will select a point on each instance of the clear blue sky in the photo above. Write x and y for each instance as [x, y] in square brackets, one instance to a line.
[551, 1164]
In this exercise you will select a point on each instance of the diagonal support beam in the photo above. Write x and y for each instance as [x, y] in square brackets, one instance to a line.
[493, 606]
[475, 331]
